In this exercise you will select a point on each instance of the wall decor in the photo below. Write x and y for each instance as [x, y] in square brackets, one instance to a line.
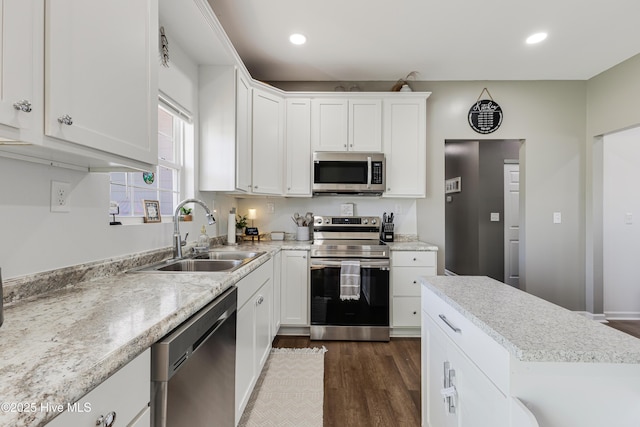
[453, 185]
[151, 210]
[485, 115]
[148, 177]
[164, 49]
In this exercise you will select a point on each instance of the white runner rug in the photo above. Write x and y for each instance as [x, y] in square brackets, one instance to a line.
[290, 390]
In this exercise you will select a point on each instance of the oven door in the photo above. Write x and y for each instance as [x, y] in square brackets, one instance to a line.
[372, 307]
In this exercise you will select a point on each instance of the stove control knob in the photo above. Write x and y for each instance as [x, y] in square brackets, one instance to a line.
[319, 221]
[374, 221]
[327, 221]
[365, 221]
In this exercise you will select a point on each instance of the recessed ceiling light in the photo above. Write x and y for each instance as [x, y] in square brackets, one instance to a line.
[297, 39]
[536, 38]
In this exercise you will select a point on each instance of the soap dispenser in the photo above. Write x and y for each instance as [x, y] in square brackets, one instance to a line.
[203, 243]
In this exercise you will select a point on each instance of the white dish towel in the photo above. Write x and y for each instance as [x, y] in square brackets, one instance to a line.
[350, 280]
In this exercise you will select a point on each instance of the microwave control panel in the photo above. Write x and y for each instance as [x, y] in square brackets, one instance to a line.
[376, 173]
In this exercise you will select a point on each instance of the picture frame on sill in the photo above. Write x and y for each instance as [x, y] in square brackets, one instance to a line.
[151, 211]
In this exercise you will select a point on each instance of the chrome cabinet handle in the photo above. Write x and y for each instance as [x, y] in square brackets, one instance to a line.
[449, 324]
[24, 106]
[106, 420]
[260, 300]
[65, 120]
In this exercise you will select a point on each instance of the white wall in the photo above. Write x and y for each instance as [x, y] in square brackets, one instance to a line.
[621, 240]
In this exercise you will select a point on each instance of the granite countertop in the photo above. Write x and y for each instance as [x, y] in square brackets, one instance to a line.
[530, 328]
[57, 346]
[411, 246]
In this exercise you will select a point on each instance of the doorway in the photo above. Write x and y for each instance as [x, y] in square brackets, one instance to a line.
[475, 206]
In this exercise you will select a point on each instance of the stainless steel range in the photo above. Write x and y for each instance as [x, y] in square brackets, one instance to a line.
[349, 280]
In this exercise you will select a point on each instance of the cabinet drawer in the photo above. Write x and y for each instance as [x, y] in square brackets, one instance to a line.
[413, 259]
[251, 283]
[491, 357]
[405, 280]
[406, 311]
[127, 393]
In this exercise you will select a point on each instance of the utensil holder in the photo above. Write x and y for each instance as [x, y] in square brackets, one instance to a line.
[302, 233]
[386, 232]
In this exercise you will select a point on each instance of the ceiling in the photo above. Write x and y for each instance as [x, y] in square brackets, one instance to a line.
[370, 40]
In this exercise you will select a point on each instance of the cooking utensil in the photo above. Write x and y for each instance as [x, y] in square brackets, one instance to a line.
[384, 218]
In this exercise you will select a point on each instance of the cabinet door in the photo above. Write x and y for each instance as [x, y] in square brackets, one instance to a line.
[295, 288]
[263, 307]
[329, 119]
[246, 374]
[365, 125]
[101, 62]
[298, 143]
[21, 64]
[267, 132]
[277, 286]
[243, 133]
[405, 149]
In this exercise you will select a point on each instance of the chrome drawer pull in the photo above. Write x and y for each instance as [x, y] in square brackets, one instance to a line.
[449, 324]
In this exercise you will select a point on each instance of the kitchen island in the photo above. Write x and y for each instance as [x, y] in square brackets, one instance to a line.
[497, 355]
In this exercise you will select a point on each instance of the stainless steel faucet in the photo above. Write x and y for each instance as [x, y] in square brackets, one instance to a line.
[177, 240]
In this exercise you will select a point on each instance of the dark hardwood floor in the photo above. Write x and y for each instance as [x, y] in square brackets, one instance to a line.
[631, 327]
[368, 383]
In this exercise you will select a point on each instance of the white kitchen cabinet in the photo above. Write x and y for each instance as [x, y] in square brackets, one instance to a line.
[406, 268]
[243, 132]
[472, 399]
[277, 291]
[21, 69]
[295, 288]
[101, 87]
[127, 393]
[268, 142]
[225, 97]
[253, 331]
[405, 142]
[298, 147]
[346, 124]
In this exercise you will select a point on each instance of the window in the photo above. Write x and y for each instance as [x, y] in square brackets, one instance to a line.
[164, 183]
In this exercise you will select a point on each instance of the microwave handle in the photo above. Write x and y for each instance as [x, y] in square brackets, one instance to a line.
[369, 172]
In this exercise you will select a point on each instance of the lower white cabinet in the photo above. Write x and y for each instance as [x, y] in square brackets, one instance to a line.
[277, 291]
[253, 332]
[406, 268]
[126, 393]
[295, 288]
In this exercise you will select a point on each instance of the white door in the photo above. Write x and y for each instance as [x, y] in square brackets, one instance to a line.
[511, 224]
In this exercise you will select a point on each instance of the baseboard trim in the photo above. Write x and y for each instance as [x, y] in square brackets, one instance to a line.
[597, 317]
[622, 315]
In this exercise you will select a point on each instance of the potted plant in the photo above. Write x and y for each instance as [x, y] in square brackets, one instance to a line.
[241, 223]
[185, 214]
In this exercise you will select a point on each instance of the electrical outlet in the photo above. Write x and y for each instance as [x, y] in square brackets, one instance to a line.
[557, 217]
[60, 196]
[271, 207]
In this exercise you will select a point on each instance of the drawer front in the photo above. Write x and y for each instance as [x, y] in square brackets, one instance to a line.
[413, 259]
[251, 283]
[405, 280]
[491, 357]
[127, 393]
[406, 311]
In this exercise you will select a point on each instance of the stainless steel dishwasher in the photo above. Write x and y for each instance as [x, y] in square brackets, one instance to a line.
[193, 369]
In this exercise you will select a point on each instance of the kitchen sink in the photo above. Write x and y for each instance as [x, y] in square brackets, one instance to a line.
[208, 262]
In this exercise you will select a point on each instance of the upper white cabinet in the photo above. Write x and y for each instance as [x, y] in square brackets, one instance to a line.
[243, 133]
[342, 124]
[79, 82]
[225, 129]
[268, 139]
[298, 147]
[21, 69]
[405, 146]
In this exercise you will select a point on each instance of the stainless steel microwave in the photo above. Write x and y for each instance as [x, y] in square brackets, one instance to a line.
[348, 173]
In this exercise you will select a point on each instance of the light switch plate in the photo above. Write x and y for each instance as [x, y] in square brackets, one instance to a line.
[495, 216]
[628, 218]
[557, 217]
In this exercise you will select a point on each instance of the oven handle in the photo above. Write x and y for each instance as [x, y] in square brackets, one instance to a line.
[318, 264]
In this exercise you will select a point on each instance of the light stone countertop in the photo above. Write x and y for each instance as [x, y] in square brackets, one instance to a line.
[58, 346]
[530, 328]
[412, 246]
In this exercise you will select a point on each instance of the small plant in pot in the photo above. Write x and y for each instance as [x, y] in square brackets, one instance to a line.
[241, 223]
[185, 214]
